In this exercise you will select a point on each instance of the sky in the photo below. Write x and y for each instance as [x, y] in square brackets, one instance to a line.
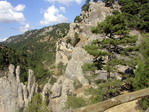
[19, 16]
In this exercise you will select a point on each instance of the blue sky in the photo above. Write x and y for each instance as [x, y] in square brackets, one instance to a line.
[18, 16]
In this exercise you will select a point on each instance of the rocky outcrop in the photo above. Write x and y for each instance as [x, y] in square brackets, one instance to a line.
[74, 67]
[97, 13]
[75, 56]
[14, 95]
[58, 94]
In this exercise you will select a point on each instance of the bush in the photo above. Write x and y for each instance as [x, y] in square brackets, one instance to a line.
[77, 19]
[53, 80]
[95, 51]
[113, 25]
[105, 90]
[77, 84]
[75, 102]
[142, 73]
[89, 67]
[144, 103]
[36, 104]
[61, 68]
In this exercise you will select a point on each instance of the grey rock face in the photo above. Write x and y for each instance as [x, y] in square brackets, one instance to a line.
[97, 13]
[74, 67]
[59, 92]
[147, 110]
[14, 94]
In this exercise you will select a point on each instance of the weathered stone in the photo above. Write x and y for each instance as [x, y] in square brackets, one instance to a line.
[101, 75]
[31, 80]
[74, 67]
[13, 94]
[18, 73]
[147, 110]
[65, 87]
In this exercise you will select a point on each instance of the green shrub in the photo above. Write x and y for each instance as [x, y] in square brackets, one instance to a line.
[95, 51]
[131, 48]
[85, 7]
[105, 90]
[144, 103]
[142, 73]
[61, 68]
[77, 84]
[53, 80]
[124, 40]
[77, 19]
[89, 67]
[113, 25]
[75, 102]
[36, 104]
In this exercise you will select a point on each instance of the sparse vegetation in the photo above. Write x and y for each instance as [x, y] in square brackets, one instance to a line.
[77, 19]
[77, 84]
[89, 67]
[61, 68]
[75, 102]
[40, 50]
[36, 105]
[104, 91]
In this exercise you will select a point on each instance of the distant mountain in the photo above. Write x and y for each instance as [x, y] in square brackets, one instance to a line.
[39, 47]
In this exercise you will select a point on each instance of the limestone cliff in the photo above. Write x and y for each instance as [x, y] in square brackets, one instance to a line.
[14, 95]
[71, 53]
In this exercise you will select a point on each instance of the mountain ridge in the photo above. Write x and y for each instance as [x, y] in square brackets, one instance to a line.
[86, 62]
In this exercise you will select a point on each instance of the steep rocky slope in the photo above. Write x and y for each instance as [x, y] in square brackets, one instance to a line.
[67, 52]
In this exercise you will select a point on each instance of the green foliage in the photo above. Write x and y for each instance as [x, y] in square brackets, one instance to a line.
[109, 1]
[86, 6]
[95, 51]
[53, 80]
[78, 19]
[39, 46]
[105, 90]
[77, 84]
[95, 0]
[113, 25]
[75, 102]
[61, 68]
[142, 71]
[144, 103]
[10, 56]
[137, 13]
[89, 67]
[36, 105]
[131, 48]
[124, 40]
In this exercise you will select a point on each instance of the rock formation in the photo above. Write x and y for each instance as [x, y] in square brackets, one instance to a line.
[14, 95]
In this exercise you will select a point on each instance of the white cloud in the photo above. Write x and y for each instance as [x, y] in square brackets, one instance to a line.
[25, 28]
[8, 13]
[62, 9]
[52, 15]
[2, 39]
[66, 2]
[19, 7]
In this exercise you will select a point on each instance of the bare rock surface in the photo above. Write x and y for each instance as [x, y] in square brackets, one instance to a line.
[14, 94]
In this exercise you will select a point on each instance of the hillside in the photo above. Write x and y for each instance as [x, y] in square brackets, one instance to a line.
[39, 46]
[99, 61]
